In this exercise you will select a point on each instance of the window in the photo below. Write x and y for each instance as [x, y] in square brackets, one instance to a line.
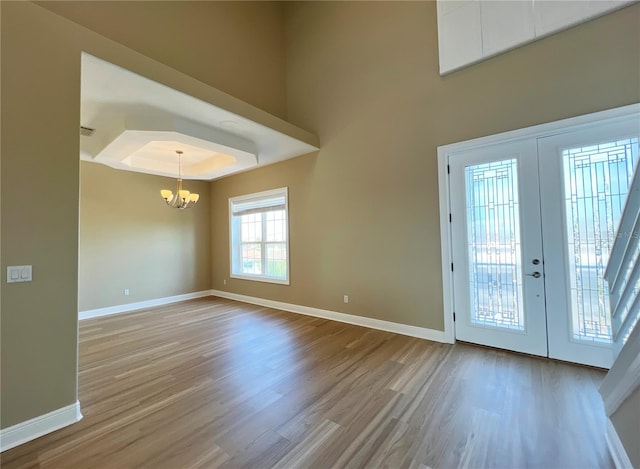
[259, 236]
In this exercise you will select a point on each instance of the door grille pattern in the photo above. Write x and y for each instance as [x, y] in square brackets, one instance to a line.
[493, 234]
[596, 183]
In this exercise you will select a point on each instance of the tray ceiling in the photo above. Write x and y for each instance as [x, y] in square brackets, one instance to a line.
[140, 123]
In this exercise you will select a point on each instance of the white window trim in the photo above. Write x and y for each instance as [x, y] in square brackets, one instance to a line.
[259, 278]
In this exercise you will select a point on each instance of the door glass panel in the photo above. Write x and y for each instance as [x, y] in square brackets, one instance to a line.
[596, 183]
[493, 234]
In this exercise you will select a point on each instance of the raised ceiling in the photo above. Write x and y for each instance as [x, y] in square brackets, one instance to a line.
[139, 124]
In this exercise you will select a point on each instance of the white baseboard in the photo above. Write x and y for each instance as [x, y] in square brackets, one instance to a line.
[96, 313]
[404, 329]
[619, 455]
[31, 429]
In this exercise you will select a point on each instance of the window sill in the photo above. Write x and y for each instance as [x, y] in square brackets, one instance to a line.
[260, 279]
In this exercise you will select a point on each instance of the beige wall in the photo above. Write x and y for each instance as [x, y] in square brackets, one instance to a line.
[130, 239]
[237, 47]
[364, 77]
[40, 170]
[626, 421]
[40, 119]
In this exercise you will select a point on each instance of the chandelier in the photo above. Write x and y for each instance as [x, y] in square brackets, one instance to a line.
[182, 198]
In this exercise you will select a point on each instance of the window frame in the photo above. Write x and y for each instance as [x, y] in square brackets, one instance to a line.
[235, 243]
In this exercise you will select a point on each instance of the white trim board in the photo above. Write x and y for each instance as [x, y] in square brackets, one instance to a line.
[446, 245]
[36, 427]
[624, 376]
[96, 313]
[616, 448]
[544, 130]
[379, 324]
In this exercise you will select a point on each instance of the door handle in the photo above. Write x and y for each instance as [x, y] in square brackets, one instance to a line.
[534, 275]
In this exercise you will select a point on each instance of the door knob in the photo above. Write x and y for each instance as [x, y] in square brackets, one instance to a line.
[535, 261]
[535, 275]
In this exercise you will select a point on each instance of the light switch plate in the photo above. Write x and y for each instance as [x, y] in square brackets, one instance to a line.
[19, 273]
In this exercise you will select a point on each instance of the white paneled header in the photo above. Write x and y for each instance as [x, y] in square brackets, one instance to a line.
[472, 30]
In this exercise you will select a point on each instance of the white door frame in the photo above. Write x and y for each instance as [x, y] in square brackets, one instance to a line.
[537, 131]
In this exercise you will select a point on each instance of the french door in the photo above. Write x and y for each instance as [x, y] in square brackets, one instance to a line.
[532, 223]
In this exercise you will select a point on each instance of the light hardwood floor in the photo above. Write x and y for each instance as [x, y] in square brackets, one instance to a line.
[217, 383]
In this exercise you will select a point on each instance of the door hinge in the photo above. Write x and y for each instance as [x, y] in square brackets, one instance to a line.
[449, 218]
[452, 267]
[454, 316]
[448, 169]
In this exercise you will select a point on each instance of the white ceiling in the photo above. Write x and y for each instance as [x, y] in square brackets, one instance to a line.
[140, 123]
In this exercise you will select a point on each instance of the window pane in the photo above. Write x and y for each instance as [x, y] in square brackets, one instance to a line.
[251, 227]
[493, 230]
[276, 226]
[251, 262]
[596, 183]
[276, 260]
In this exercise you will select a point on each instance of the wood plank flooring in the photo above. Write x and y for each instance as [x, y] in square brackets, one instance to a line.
[218, 383]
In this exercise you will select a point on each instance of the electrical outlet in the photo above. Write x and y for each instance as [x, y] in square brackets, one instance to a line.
[346, 298]
[224, 281]
[126, 292]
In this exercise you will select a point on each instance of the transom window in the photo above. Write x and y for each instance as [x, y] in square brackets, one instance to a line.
[259, 236]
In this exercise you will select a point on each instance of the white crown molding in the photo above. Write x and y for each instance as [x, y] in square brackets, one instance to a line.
[96, 313]
[616, 448]
[36, 427]
[404, 329]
